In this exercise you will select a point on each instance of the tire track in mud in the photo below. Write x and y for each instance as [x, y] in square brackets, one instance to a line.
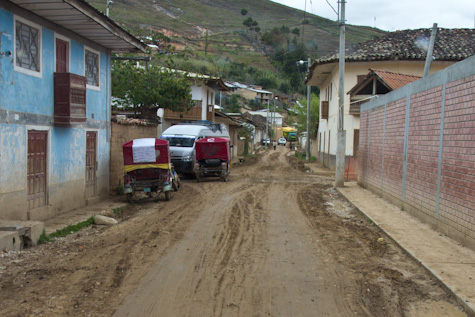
[182, 282]
[250, 252]
[238, 240]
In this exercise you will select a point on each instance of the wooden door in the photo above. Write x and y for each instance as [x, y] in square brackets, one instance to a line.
[356, 142]
[91, 165]
[62, 56]
[36, 171]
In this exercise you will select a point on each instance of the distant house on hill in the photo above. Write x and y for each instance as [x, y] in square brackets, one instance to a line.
[400, 52]
[203, 90]
[250, 92]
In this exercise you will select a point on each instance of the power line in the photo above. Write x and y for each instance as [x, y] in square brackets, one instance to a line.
[333, 8]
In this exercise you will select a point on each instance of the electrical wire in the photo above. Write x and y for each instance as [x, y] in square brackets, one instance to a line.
[332, 8]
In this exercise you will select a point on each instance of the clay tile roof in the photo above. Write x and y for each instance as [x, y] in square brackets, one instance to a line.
[391, 80]
[450, 45]
[395, 80]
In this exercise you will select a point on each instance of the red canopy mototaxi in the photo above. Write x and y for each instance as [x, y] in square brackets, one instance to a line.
[213, 148]
[146, 153]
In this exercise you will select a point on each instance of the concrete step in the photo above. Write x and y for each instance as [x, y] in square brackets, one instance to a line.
[15, 234]
[10, 241]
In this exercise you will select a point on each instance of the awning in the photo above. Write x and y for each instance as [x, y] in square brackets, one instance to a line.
[81, 18]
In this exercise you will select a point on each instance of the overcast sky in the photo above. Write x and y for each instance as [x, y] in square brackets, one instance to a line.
[392, 15]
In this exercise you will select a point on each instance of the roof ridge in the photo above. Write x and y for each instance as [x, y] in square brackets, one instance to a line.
[450, 45]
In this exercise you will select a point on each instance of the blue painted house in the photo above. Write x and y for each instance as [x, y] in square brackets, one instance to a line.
[55, 114]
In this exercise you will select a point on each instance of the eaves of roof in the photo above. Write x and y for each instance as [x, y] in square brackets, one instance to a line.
[391, 80]
[80, 18]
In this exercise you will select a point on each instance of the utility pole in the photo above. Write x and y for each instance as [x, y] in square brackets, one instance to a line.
[307, 143]
[267, 123]
[274, 126]
[341, 135]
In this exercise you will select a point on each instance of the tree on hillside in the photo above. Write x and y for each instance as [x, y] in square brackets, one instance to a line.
[231, 104]
[248, 22]
[243, 11]
[146, 90]
[300, 112]
[285, 59]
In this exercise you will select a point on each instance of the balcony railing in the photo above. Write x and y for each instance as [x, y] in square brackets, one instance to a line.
[355, 108]
[69, 99]
[192, 114]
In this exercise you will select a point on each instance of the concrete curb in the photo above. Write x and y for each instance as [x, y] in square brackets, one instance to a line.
[469, 309]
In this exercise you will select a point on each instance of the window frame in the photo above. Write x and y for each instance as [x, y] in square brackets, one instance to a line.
[89, 86]
[19, 69]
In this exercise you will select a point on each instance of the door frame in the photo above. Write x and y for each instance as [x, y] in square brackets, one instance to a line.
[95, 132]
[47, 131]
[68, 62]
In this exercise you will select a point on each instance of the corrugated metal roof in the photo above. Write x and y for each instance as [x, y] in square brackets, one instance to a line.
[260, 91]
[264, 114]
[83, 19]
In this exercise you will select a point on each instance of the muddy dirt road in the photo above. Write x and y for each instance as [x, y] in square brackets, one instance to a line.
[272, 241]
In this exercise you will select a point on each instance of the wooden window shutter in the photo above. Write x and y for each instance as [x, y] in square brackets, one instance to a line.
[325, 110]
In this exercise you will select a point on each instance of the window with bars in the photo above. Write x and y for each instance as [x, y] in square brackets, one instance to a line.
[92, 68]
[27, 47]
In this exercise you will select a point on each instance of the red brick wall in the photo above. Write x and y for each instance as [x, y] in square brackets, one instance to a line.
[417, 192]
[394, 148]
[457, 193]
[423, 150]
[375, 147]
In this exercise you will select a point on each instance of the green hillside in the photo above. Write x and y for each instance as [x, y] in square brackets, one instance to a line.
[210, 37]
[222, 18]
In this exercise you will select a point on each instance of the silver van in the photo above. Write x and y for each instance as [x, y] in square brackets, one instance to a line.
[182, 137]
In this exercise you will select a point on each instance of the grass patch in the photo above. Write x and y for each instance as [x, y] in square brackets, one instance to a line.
[45, 238]
[118, 210]
[303, 156]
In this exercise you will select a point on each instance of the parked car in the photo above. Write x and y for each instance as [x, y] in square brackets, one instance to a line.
[182, 137]
[282, 141]
[265, 141]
